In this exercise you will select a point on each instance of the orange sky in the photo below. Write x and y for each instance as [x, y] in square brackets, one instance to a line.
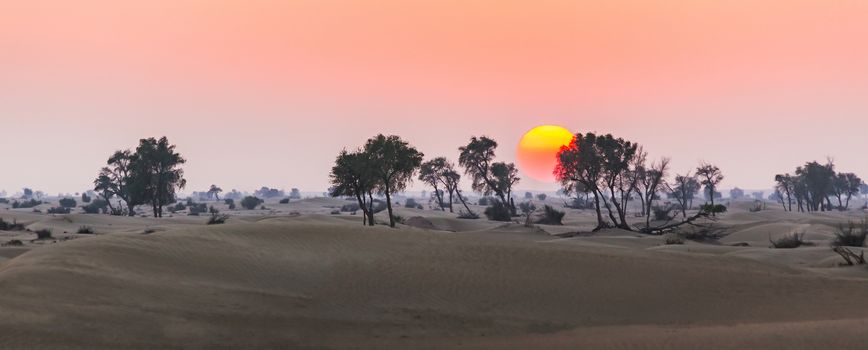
[271, 85]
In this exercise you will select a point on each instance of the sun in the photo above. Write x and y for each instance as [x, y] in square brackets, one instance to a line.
[538, 149]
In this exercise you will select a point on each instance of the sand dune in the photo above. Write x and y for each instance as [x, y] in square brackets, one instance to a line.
[314, 280]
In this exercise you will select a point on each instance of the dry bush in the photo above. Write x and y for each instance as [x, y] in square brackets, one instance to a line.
[790, 241]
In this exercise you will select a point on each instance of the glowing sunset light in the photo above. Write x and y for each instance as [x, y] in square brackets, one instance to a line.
[538, 149]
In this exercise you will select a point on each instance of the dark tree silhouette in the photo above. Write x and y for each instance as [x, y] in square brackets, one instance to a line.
[684, 190]
[488, 178]
[394, 162]
[118, 179]
[579, 170]
[214, 192]
[431, 173]
[352, 176]
[709, 176]
[158, 165]
[651, 180]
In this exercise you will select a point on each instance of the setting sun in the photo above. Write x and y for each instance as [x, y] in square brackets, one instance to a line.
[538, 148]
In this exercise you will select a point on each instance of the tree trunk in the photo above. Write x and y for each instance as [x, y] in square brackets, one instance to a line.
[364, 208]
[461, 198]
[389, 207]
[599, 211]
[370, 209]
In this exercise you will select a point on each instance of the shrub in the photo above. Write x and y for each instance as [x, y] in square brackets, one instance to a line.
[85, 198]
[95, 207]
[85, 230]
[852, 235]
[465, 215]
[13, 243]
[498, 211]
[527, 208]
[757, 206]
[662, 213]
[43, 233]
[58, 210]
[398, 218]
[336, 212]
[13, 226]
[250, 202]
[483, 201]
[794, 240]
[68, 203]
[284, 201]
[26, 204]
[232, 206]
[672, 238]
[4, 201]
[541, 197]
[198, 208]
[217, 219]
[350, 207]
[410, 203]
[551, 216]
[229, 201]
[713, 209]
[178, 207]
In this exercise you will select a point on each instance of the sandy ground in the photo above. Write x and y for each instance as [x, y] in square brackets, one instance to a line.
[296, 276]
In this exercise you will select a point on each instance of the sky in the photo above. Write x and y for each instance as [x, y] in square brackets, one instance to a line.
[266, 93]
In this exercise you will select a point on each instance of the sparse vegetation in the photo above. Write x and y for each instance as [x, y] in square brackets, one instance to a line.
[10, 226]
[789, 241]
[217, 219]
[498, 211]
[44, 233]
[30, 203]
[58, 210]
[250, 202]
[13, 243]
[68, 203]
[849, 256]
[851, 235]
[467, 215]
[551, 216]
[284, 201]
[84, 229]
[411, 203]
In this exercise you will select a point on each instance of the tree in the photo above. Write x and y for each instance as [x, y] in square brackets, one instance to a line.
[214, 192]
[685, 189]
[119, 179]
[352, 176]
[818, 181]
[431, 173]
[452, 180]
[393, 162]
[250, 202]
[579, 170]
[785, 185]
[618, 174]
[846, 185]
[650, 181]
[709, 176]
[158, 166]
[476, 158]
[506, 176]
[68, 203]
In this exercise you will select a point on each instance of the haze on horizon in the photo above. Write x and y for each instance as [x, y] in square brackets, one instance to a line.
[266, 93]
